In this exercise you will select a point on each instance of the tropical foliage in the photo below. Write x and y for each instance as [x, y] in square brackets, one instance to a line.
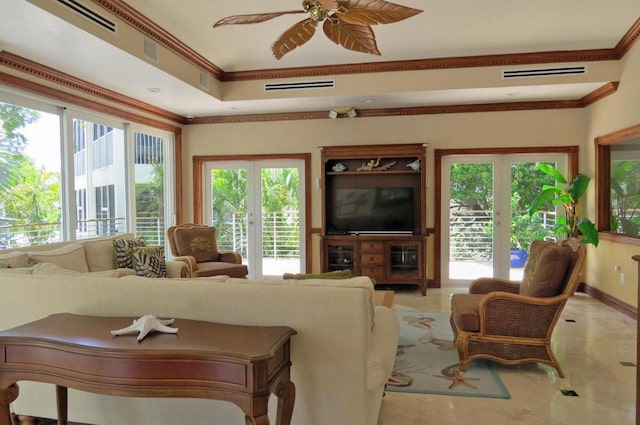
[12, 142]
[625, 197]
[568, 194]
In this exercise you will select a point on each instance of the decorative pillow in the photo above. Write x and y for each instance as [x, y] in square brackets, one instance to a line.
[149, 261]
[100, 252]
[124, 251]
[198, 242]
[70, 257]
[545, 271]
[15, 259]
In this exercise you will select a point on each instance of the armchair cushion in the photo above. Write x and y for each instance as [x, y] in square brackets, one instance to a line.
[198, 242]
[215, 268]
[465, 311]
[545, 271]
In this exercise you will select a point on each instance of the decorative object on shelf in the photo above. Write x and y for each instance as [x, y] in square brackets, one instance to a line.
[386, 166]
[346, 23]
[369, 165]
[145, 325]
[415, 165]
[338, 167]
[374, 165]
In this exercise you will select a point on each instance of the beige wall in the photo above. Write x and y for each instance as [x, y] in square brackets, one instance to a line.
[446, 131]
[622, 110]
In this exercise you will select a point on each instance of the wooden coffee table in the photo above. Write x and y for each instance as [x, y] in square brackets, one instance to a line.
[240, 364]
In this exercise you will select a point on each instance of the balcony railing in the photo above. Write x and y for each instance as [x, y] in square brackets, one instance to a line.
[281, 235]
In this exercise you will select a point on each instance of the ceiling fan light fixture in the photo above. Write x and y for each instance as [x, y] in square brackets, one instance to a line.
[333, 114]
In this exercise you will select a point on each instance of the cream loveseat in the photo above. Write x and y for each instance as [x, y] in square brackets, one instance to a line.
[95, 256]
[341, 356]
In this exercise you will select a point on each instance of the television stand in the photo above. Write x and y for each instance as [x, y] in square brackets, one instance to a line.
[353, 235]
[388, 259]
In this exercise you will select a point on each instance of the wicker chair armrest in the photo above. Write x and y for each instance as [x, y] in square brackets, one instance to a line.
[190, 261]
[485, 285]
[230, 257]
[511, 315]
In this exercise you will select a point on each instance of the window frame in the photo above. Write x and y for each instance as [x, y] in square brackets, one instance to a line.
[603, 183]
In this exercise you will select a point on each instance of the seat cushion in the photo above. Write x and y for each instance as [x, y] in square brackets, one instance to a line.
[199, 242]
[465, 311]
[216, 268]
[545, 272]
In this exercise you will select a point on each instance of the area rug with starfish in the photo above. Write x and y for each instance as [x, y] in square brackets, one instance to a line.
[427, 361]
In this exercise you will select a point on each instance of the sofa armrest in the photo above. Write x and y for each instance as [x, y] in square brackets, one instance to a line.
[384, 346]
[230, 257]
[485, 285]
[177, 269]
[188, 261]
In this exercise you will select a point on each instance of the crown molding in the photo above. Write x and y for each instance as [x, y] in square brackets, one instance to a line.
[587, 100]
[51, 75]
[427, 64]
[159, 34]
[628, 40]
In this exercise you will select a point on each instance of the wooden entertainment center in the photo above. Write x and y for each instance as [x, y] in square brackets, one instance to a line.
[374, 212]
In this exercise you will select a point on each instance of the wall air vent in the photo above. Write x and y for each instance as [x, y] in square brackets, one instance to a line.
[89, 14]
[150, 49]
[545, 72]
[301, 85]
[204, 80]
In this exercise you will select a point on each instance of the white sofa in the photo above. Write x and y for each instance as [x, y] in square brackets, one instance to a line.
[341, 356]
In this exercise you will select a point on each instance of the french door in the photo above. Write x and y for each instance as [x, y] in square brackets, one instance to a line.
[485, 225]
[258, 209]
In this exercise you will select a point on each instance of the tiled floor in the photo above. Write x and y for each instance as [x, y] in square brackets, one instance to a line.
[590, 351]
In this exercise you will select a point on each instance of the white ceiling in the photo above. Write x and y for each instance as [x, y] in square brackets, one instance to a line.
[451, 28]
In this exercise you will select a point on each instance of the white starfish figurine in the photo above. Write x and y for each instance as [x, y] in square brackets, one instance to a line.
[145, 325]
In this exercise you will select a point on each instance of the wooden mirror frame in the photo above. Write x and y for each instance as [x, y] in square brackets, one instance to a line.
[603, 183]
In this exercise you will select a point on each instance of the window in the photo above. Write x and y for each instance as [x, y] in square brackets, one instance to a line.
[120, 177]
[618, 178]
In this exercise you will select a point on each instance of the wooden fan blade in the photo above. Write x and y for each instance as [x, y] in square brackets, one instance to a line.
[359, 38]
[372, 12]
[329, 4]
[294, 37]
[253, 19]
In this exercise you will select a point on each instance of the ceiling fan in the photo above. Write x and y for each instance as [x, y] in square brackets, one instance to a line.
[346, 23]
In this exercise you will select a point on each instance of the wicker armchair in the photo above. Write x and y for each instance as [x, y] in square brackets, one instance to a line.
[197, 245]
[512, 322]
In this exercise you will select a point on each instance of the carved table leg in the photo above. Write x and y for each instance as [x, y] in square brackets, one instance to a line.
[258, 420]
[6, 398]
[286, 393]
[61, 400]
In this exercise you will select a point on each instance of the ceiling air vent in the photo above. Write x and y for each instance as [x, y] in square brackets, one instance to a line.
[301, 85]
[545, 72]
[89, 14]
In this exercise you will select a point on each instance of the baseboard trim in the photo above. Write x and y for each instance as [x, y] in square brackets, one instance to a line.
[607, 299]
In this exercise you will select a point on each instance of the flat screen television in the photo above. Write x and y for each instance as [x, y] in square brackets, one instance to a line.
[371, 210]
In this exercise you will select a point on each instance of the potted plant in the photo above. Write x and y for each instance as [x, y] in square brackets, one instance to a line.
[571, 224]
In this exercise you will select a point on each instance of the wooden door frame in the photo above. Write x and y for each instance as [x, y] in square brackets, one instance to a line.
[198, 184]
